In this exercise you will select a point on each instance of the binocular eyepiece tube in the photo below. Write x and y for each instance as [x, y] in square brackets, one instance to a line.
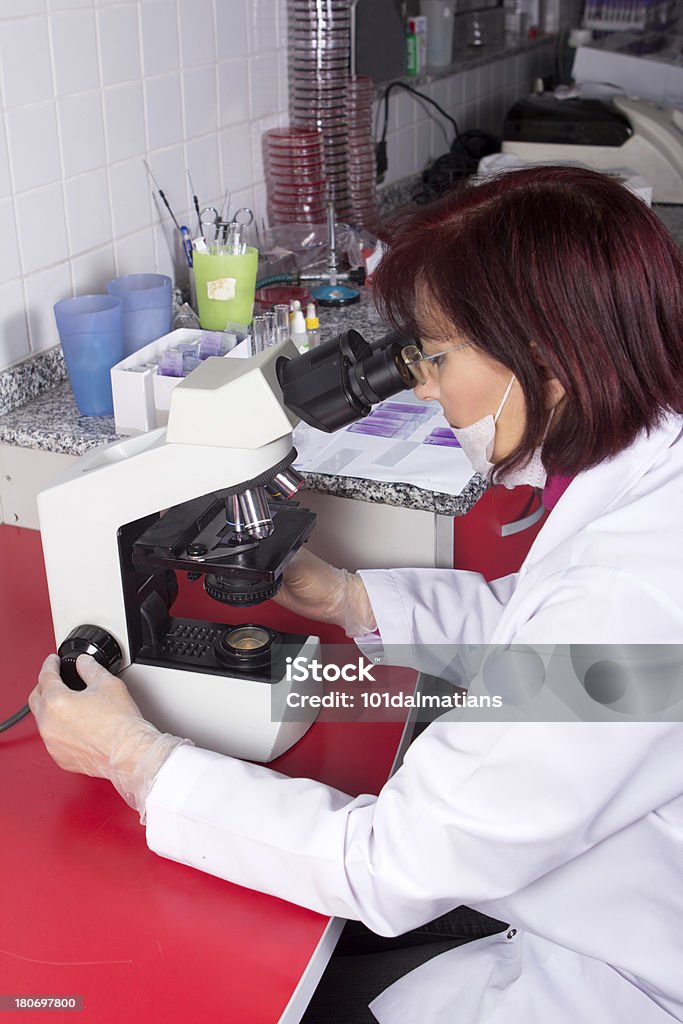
[338, 382]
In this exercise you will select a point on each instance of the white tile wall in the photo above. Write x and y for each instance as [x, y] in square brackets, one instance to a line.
[74, 50]
[26, 65]
[81, 132]
[89, 89]
[9, 253]
[33, 145]
[164, 105]
[159, 38]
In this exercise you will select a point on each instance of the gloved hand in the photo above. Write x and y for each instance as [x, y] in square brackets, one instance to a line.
[99, 731]
[317, 590]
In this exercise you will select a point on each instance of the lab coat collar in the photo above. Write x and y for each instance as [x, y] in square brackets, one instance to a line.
[597, 490]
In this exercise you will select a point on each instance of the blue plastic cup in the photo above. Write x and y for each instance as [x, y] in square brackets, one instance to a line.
[147, 307]
[91, 332]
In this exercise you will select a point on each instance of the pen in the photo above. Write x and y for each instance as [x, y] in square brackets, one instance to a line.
[187, 243]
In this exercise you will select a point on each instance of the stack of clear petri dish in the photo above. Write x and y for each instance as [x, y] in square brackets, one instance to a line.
[319, 40]
[294, 167]
[361, 171]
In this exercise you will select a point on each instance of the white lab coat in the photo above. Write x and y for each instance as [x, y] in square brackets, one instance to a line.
[572, 832]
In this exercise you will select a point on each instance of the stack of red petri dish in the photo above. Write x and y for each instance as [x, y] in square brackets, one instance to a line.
[295, 175]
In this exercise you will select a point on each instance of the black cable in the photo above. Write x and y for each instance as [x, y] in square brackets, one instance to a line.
[381, 147]
[462, 160]
[409, 88]
[9, 722]
[466, 151]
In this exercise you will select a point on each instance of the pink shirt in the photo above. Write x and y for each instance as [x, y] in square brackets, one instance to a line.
[554, 489]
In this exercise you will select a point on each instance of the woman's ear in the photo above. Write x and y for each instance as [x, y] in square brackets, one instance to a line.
[554, 391]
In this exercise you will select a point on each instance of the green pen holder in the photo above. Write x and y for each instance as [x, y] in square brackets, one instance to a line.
[225, 288]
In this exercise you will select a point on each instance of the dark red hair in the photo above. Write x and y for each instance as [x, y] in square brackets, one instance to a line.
[571, 260]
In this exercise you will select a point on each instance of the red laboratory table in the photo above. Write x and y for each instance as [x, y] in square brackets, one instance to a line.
[87, 910]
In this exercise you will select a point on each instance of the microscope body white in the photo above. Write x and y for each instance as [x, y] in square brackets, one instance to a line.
[82, 511]
[232, 715]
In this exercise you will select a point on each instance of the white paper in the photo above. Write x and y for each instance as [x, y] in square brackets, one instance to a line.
[408, 444]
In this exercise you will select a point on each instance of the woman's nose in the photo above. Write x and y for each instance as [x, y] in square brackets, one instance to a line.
[427, 392]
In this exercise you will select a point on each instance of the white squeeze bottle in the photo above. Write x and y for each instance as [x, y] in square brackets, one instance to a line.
[298, 332]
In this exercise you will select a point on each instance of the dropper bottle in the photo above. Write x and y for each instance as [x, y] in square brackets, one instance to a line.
[298, 332]
[312, 326]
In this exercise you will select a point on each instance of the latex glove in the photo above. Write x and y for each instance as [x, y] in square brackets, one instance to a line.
[99, 731]
[317, 590]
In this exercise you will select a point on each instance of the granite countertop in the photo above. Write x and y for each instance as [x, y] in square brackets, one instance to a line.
[42, 414]
[52, 423]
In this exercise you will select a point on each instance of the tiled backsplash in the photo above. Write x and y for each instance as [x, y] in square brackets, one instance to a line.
[89, 88]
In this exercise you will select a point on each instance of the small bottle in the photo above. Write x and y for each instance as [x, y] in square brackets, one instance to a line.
[294, 307]
[281, 322]
[298, 332]
[312, 326]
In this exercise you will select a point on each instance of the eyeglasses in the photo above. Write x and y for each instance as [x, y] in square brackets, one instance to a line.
[419, 363]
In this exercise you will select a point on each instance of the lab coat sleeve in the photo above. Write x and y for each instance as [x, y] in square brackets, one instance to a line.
[477, 812]
[434, 620]
[436, 606]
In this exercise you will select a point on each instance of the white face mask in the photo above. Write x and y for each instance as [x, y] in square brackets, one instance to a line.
[478, 441]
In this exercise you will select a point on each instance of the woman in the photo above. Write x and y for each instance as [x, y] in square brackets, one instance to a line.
[549, 304]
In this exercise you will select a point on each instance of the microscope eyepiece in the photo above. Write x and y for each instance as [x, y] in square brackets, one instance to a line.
[338, 382]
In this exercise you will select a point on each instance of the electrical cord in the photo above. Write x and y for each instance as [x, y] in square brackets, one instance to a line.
[466, 150]
[17, 717]
[381, 147]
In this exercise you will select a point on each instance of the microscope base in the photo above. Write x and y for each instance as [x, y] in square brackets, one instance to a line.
[233, 714]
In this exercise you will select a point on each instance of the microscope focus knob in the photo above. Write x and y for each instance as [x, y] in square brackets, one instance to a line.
[244, 593]
[91, 640]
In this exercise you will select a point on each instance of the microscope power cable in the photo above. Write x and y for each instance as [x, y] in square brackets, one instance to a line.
[17, 717]
[381, 146]
[466, 149]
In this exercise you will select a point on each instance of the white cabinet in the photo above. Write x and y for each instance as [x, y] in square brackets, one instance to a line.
[357, 534]
[23, 473]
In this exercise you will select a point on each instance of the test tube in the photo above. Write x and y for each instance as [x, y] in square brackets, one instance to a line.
[270, 328]
[258, 328]
[233, 242]
[281, 312]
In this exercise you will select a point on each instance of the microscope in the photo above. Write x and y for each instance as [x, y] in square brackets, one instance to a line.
[211, 495]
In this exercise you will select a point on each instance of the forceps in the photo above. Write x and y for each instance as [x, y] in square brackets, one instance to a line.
[211, 223]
